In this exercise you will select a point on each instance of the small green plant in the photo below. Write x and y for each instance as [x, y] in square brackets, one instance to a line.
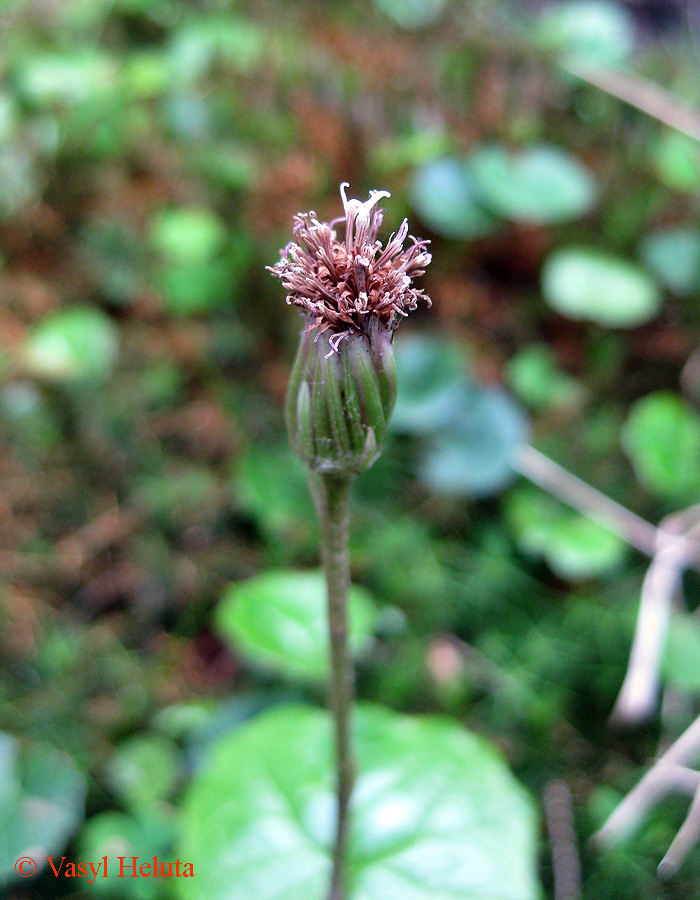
[341, 393]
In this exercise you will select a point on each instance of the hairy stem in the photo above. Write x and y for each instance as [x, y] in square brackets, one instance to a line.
[332, 496]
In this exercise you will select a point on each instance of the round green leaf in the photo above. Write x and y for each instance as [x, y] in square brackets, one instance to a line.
[42, 801]
[431, 379]
[662, 439]
[573, 546]
[443, 194]
[187, 236]
[474, 457]
[673, 255]
[587, 31]
[539, 184]
[585, 284]
[144, 770]
[76, 345]
[278, 620]
[435, 814]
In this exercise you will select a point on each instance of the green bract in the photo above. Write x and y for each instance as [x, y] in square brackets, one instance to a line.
[339, 400]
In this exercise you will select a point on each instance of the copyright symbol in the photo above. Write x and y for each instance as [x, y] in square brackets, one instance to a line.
[25, 867]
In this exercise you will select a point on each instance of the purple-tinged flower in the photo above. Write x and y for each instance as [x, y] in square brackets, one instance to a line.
[345, 284]
[353, 293]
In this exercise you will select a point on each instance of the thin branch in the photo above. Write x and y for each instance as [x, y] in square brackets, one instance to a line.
[662, 777]
[642, 94]
[687, 837]
[555, 479]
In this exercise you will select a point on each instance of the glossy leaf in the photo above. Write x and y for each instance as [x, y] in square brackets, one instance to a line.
[540, 184]
[435, 814]
[279, 621]
[42, 800]
[581, 283]
[79, 344]
[444, 196]
[662, 438]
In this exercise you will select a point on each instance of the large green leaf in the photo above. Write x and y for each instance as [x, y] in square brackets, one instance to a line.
[80, 344]
[539, 184]
[443, 194]
[278, 620]
[436, 815]
[662, 438]
[586, 284]
[42, 800]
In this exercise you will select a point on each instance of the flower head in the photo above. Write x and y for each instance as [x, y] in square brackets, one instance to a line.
[344, 285]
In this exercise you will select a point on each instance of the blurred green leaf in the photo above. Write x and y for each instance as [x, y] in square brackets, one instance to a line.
[196, 46]
[114, 834]
[426, 791]
[42, 800]
[537, 379]
[473, 457]
[673, 255]
[431, 380]
[144, 770]
[45, 80]
[539, 184]
[443, 194]
[582, 283]
[412, 14]
[187, 236]
[76, 345]
[587, 31]
[573, 546]
[278, 620]
[662, 439]
[677, 161]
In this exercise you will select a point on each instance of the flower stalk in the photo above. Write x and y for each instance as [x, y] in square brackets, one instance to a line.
[352, 293]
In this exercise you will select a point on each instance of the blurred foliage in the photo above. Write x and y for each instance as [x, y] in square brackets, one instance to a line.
[152, 155]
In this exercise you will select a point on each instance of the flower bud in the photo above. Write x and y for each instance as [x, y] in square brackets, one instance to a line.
[339, 399]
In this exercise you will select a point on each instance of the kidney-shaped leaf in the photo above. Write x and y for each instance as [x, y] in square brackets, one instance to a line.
[585, 284]
[435, 814]
[539, 184]
[278, 620]
[42, 801]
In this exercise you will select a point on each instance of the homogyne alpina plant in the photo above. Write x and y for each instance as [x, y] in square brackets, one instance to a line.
[353, 292]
